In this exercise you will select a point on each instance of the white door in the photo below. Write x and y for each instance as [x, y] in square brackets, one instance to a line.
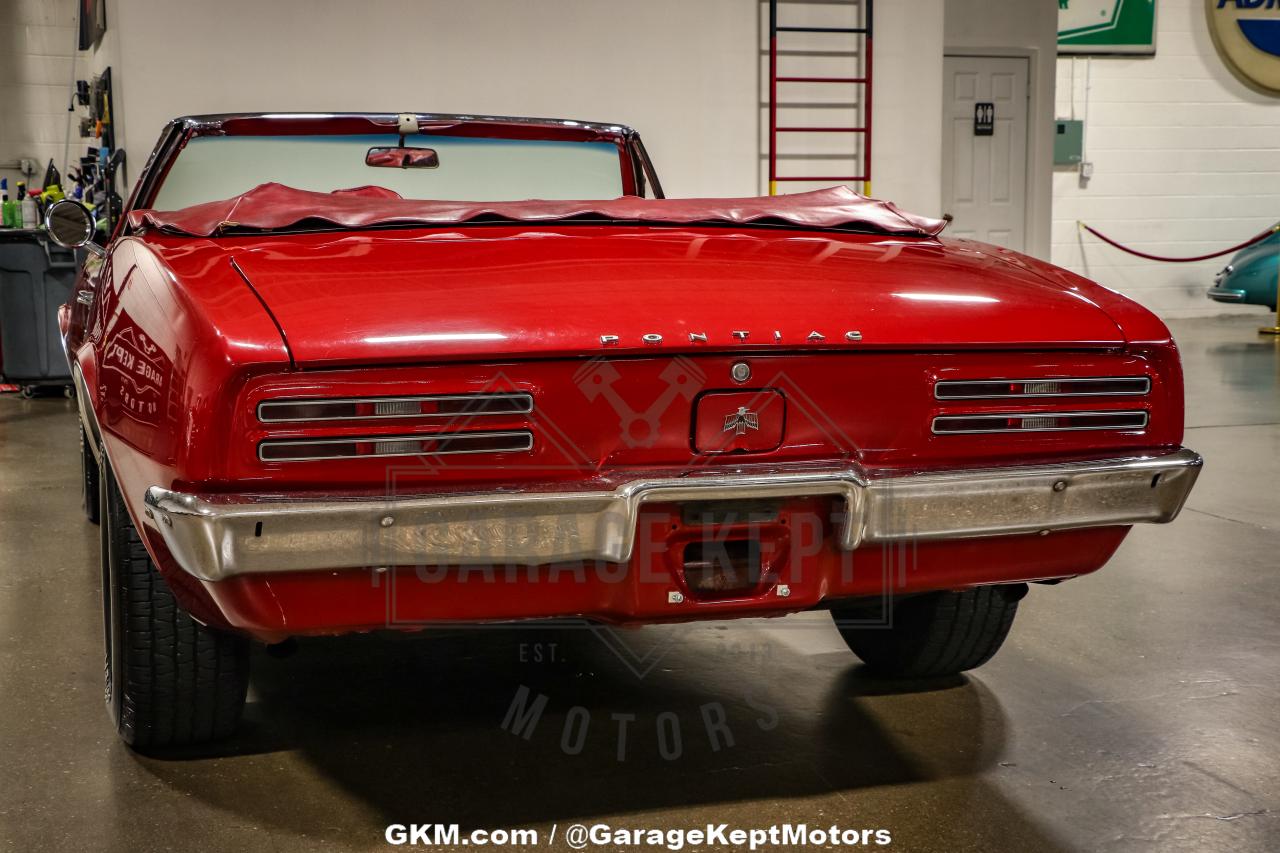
[984, 157]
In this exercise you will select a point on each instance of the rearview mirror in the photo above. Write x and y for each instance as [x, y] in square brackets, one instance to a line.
[71, 226]
[402, 158]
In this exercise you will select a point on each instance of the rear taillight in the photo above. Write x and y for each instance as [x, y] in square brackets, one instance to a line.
[431, 406]
[440, 444]
[318, 429]
[988, 389]
[1030, 405]
[1038, 422]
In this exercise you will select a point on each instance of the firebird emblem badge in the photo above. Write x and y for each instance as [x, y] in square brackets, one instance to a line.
[741, 421]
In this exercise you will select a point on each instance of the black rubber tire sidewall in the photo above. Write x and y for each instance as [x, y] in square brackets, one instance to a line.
[171, 681]
[90, 491]
[111, 611]
[936, 634]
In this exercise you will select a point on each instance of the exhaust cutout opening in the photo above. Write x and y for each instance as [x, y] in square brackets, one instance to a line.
[723, 569]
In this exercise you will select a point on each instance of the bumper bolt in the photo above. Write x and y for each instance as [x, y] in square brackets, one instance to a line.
[1060, 485]
[675, 596]
[168, 522]
[784, 591]
[387, 521]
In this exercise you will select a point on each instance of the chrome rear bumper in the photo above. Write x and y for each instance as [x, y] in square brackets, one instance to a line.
[217, 537]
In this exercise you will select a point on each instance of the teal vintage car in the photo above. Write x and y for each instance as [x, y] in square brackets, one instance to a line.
[1252, 277]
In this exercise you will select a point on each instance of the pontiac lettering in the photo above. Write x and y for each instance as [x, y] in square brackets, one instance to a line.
[736, 336]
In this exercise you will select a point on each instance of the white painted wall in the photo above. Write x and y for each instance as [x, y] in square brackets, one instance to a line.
[682, 73]
[37, 46]
[907, 118]
[907, 100]
[686, 74]
[1186, 161]
[1022, 28]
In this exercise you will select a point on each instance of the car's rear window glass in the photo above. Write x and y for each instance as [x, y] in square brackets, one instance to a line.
[470, 169]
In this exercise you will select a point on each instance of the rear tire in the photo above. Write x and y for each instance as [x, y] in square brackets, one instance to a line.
[936, 634]
[89, 497]
[170, 680]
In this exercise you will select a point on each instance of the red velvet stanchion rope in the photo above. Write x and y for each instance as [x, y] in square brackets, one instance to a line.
[1247, 243]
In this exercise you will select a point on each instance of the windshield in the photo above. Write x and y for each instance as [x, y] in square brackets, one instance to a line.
[211, 168]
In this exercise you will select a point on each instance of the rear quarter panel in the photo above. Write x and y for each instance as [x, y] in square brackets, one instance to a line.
[160, 356]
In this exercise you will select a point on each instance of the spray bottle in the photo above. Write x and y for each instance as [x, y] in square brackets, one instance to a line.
[51, 193]
[31, 209]
[17, 204]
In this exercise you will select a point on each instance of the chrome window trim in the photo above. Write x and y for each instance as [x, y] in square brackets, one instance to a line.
[442, 436]
[179, 130]
[1146, 389]
[211, 123]
[1146, 418]
[525, 398]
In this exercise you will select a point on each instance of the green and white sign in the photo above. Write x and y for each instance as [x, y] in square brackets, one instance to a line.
[1107, 26]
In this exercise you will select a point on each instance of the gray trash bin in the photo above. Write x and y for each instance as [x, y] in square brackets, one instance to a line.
[36, 277]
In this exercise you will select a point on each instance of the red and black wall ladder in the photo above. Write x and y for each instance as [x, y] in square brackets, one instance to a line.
[862, 79]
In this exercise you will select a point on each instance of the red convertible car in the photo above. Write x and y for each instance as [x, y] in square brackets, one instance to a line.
[340, 373]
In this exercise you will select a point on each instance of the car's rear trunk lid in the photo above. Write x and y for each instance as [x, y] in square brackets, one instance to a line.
[503, 291]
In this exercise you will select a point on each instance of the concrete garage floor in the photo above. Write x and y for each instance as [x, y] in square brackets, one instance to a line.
[1132, 710]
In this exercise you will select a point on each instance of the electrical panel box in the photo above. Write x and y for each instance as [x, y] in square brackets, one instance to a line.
[1068, 141]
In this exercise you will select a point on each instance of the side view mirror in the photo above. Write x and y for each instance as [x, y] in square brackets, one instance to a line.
[71, 226]
[402, 158]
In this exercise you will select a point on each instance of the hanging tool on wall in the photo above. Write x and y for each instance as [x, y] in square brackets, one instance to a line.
[95, 179]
